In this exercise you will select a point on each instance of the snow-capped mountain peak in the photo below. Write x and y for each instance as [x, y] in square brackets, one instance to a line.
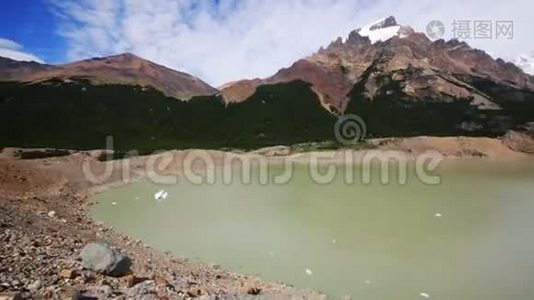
[381, 30]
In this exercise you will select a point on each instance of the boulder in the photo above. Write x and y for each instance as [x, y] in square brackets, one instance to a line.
[101, 258]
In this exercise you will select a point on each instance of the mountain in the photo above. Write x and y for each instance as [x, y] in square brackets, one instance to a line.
[125, 69]
[13, 69]
[403, 84]
[424, 69]
[397, 80]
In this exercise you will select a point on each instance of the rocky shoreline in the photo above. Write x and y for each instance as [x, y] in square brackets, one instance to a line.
[44, 225]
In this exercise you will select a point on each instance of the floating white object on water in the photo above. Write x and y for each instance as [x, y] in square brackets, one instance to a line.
[438, 215]
[424, 295]
[368, 281]
[334, 242]
[113, 203]
[309, 272]
[161, 195]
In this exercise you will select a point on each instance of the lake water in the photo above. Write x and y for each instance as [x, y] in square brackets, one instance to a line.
[469, 237]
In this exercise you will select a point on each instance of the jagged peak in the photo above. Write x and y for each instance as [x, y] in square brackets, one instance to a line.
[337, 43]
[384, 23]
[355, 37]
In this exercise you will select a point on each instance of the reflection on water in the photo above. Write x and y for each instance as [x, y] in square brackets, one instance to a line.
[469, 237]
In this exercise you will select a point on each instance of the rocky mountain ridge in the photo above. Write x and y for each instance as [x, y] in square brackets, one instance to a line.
[125, 68]
[426, 70]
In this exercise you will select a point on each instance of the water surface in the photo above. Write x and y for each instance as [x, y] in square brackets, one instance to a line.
[470, 237]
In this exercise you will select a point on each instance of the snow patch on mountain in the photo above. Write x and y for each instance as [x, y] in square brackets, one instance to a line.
[381, 30]
[526, 63]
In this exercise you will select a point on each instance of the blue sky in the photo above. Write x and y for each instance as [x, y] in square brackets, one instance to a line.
[31, 24]
[226, 40]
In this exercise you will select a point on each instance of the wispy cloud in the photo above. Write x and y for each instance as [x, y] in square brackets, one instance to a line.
[14, 50]
[244, 39]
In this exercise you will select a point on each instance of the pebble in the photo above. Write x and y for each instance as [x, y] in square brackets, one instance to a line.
[194, 292]
[69, 292]
[106, 290]
[52, 214]
[161, 281]
[253, 290]
[11, 296]
[68, 273]
[34, 286]
[130, 281]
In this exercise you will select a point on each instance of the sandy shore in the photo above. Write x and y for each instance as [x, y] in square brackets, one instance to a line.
[39, 246]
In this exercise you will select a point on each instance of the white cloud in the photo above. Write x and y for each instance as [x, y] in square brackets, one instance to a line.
[254, 38]
[14, 50]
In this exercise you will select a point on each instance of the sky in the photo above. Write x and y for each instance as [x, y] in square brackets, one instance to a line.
[226, 40]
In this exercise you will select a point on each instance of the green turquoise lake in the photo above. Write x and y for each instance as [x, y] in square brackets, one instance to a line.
[469, 237]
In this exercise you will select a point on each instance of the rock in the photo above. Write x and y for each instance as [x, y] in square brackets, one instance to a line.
[194, 292]
[79, 280]
[34, 286]
[68, 273]
[11, 296]
[106, 290]
[52, 214]
[15, 283]
[69, 293]
[131, 281]
[101, 258]
[161, 281]
[253, 290]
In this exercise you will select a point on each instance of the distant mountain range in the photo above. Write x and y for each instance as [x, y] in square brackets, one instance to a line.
[125, 69]
[399, 81]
